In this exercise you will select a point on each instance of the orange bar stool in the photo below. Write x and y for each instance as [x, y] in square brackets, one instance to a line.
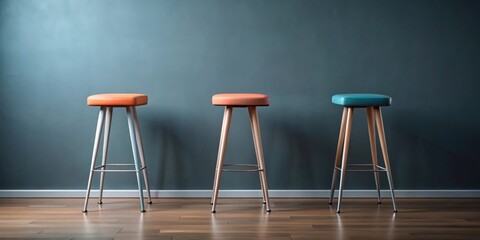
[230, 101]
[107, 102]
[372, 103]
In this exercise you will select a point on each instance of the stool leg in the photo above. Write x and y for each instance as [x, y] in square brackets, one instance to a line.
[383, 144]
[98, 134]
[106, 137]
[251, 112]
[133, 140]
[346, 143]
[227, 116]
[141, 153]
[257, 140]
[373, 149]
[341, 138]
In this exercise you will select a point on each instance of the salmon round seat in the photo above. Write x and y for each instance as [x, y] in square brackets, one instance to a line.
[117, 99]
[240, 99]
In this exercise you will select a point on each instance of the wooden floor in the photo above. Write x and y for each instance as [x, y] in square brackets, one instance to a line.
[239, 219]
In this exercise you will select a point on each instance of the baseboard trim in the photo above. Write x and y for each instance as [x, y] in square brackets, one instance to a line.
[241, 193]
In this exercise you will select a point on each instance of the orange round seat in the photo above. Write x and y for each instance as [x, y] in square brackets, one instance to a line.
[240, 99]
[117, 99]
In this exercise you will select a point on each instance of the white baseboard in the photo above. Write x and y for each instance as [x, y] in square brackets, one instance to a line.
[240, 193]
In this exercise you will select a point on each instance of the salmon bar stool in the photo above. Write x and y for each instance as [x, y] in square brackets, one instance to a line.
[372, 103]
[235, 100]
[107, 102]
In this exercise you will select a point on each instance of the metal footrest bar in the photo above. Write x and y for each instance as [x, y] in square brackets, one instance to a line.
[119, 170]
[362, 168]
[97, 168]
[242, 166]
[115, 164]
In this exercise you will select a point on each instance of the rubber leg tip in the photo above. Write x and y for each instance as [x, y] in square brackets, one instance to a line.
[211, 203]
[338, 211]
[100, 202]
[379, 202]
[142, 210]
[395, 211]
[269, 210]
[329, 203]
[213, 211]
[150, 202]
[264, 202]
[84, 211]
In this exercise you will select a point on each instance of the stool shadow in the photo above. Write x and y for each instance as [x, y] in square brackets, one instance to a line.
[300, 158]
[444, 149]
[169, 154]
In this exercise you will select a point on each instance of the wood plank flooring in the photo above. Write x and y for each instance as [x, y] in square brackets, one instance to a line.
[37, 218]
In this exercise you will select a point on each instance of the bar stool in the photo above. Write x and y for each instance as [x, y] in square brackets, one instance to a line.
[372, 103]
[107, 102]
[230, 101]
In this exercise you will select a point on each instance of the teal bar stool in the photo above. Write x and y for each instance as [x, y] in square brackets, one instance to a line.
[372, 103]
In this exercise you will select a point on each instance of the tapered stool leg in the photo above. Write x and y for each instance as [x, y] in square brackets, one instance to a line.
[251, 111]
[141, 154]
[227, 116]
[136, 157]
[257, 140]
[373, 149]
[346, 144]
[98, 133]
[383, 144]
[341, 139]
[106, 137]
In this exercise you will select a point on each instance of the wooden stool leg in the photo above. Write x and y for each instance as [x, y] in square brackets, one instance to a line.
[257, 140]
[341, 138]
[106, 138]
[373, 149]
[98, 134]
[227, 116]
[136, 157]
[141, 154]
[346, 143]
[383, 144]
[251, 112]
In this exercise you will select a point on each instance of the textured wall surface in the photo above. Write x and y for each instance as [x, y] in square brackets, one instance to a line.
[424, 54]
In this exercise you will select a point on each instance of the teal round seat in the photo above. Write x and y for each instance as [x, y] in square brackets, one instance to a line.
[361, 100]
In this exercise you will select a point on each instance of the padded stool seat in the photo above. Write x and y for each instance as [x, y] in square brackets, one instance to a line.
[240, 99]
[117, 99]
[361, 100]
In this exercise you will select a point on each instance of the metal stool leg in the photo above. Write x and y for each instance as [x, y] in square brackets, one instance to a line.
[227, 116]
[257, 140]
[341, 138]
[373, 149]
[136, 157]
[106, 138]
[383, 144]
[98, 133]
[142, 156]
[348, 129]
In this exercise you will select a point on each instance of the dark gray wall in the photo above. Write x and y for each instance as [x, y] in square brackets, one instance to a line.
[53, 54]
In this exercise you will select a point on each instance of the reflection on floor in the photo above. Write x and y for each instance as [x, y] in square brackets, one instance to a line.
[240, 219]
